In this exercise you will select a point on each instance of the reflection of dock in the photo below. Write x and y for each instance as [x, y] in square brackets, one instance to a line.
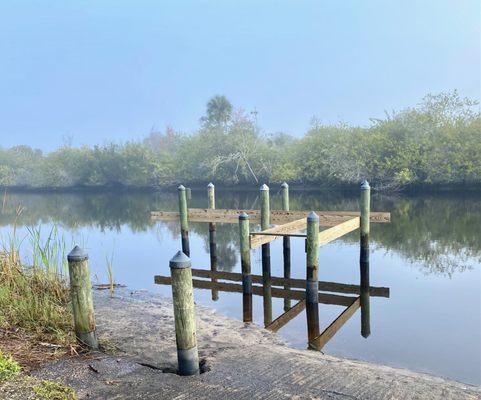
[352, 303]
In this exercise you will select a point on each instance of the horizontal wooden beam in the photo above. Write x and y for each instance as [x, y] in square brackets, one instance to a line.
[290, 314]
[323, 298]
[337, 231]
[290, 227]
[374, 291]
[230, 216]
[320, 341]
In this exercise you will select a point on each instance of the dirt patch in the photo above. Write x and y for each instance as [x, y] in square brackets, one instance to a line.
[29, 352]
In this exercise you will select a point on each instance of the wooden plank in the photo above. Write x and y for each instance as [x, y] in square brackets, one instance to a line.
[337, 231]
[258, 291]
[290, 314]
[319, 342]
[374, 291]
[290, 227]
[230, 216]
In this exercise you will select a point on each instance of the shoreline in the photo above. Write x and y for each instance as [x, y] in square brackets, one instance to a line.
[240, 361]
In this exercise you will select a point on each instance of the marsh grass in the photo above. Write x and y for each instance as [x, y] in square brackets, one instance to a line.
[35, 297]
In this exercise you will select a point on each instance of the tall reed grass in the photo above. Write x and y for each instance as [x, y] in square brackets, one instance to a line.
[35, 296]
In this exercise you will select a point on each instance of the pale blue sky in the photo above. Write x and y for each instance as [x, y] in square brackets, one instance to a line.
[108, 70]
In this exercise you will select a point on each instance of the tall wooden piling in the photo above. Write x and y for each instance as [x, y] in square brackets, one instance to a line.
[212, 237]
[246, 267]
[184, 314]
[184, 221]
[312, 283]
[286, 244]
[81, 295]
[266, 255]
[365, 206]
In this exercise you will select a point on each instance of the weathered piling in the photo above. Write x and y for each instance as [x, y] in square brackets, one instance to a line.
[184, 314]
[312, 283]
[81, 295]
[286, 245]
[212, 237]
[188, 192]
[246, 267]
[184, 221]
[365, 206]
[266, 256]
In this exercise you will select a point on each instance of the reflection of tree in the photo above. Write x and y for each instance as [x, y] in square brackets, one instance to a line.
[439, 232]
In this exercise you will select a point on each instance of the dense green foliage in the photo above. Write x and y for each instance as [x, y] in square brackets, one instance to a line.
[437, 142]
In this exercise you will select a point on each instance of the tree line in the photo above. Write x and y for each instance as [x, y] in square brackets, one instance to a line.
[437, 142]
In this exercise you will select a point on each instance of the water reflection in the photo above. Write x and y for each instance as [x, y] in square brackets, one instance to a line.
[440, 233]
[333, 293]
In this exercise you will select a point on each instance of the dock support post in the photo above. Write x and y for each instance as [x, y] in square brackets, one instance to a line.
[365, 205]
[286, 245]
[246, 267]
[184, 222]
[188, 192]
[81, 295]
[312, 283]
[266, 256]
[212, 238]
[184, 314]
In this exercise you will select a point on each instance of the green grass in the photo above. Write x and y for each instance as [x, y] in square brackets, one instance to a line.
[8, 367]
[36, 298]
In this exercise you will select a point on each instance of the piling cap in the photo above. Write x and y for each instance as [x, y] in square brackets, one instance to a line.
[312, 216]
[77, 254]
[284, 185]
[365, 185]
[210, 185]
[264, 187]
[181, 187]
[180, 260]
[243, 216]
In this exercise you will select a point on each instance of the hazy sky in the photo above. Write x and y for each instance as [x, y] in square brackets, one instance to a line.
[110, 70]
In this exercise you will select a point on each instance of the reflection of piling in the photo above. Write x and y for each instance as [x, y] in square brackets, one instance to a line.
[286, 245]
[81, 295]
[246, 267]
[184, 223]
[212, 237]
[364, 258]
[266, 256]
[312, 284]
[184, 314]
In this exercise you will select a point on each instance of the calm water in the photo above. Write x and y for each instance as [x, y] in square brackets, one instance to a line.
[429, 256]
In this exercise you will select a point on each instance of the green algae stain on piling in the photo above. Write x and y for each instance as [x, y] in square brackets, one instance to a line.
[81, 295]
[365, 206]
[246, 267]
[286, 245]
[266, 255]
[312, 284]
[184, 314]
[184, 222]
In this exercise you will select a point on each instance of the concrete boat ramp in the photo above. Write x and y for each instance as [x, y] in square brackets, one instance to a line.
[238, 362]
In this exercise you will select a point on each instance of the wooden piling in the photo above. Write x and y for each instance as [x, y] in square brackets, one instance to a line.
[286, 244]
[188, 192]
[184, 222]
[81, 295]
[246, 267]
[365, 206]
[212, 237]
[266, 255]
[312, 284]
[184, 314]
